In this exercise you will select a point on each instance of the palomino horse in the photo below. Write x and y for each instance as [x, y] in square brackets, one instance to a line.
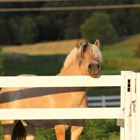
[84, 59]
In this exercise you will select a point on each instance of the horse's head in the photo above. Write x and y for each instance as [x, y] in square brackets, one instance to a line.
[89, 58]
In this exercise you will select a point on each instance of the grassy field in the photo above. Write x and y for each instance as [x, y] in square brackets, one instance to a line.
[50, 48]
[42, 56]
[47, 59]
[63, 47]
[122, 49]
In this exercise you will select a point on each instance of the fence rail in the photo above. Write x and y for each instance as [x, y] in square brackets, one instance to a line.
[104, 101]
[58, 113]
[60, 81]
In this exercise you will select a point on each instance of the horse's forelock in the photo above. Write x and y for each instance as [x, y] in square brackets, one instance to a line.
[91, 49]
[76, 53]
[97, 53]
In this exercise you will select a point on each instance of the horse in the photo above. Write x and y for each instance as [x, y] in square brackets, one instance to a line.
[84, 59]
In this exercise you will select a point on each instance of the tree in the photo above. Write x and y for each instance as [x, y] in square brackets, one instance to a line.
[1, 64]
[120, 20]
[46, 28]
[98, 26]
[71, 33]
[134, 21]
[27, 31]
[43, 26]
[13, 28]
[4, 35]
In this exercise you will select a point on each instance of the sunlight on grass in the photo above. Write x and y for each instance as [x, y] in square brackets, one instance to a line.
[117, 56]
[56, 47]
[119, 49]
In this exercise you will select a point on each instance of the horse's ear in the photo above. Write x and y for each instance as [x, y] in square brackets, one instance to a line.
[78, 44]
[97, 43]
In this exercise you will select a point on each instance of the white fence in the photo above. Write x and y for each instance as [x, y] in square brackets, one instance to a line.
[103, 101]
[129, 82]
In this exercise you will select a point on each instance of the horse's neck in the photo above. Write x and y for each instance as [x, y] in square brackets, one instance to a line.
[78, 94]
[72, 69]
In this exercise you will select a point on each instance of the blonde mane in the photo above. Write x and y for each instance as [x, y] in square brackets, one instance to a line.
[92, 49]
[75, 53]
[70, 58]
[97, 53]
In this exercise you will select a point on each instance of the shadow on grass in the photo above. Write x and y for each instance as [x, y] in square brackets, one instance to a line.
[39, 65]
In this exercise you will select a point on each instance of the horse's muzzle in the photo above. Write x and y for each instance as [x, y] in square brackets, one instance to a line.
[93, 69]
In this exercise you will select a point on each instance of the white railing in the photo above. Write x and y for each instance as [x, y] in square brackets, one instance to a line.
[103, 101]
[59, 81]
[129, 82]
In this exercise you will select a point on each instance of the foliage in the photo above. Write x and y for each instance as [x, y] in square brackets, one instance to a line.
[133, 20]
[1, 132]
[27, 31]
[71, 33]
[1, 64]
[45, 28]
[43, 134]
[13, 30]
[94, 129]
[4, 36]
[137, 50]
[59, 25]
[98, 25]
[100, 130]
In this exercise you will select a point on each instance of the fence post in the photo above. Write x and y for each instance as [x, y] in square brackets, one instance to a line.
[122, 98]
[133, 103]
[138, 107]
[103, 101]
[127, 102]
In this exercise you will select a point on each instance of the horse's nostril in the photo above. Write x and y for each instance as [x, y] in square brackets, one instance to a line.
[90, 66]
[98, 66]
[94, 66]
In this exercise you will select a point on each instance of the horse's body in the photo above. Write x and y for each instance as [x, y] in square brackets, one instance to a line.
[85, 59]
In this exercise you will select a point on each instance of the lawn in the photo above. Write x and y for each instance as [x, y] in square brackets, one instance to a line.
[47, 59]
[117, 56]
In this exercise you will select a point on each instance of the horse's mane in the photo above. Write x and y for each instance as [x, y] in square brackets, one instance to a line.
[70, 58]
[75, 53]
[97, 53]
[92, 49]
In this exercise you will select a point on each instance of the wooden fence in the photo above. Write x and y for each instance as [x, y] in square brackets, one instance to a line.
[127, 114]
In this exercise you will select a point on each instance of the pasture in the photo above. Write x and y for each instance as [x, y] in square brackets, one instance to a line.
[117, 56]
[47, 59]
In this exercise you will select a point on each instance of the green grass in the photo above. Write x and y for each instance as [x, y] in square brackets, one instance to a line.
[122, 49]
[39, 65]
[117, 57]
[109, 54]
